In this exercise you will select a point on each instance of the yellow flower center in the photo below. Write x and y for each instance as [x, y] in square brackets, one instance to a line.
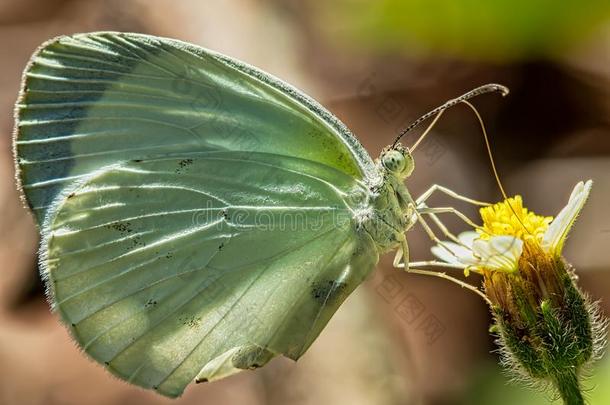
[512, 219]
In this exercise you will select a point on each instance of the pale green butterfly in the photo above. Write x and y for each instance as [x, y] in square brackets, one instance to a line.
[198, 216]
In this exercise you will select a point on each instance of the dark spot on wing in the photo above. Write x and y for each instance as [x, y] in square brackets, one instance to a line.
[150, 303]
[183, 165]
[225, 215]
[327, 292]
[137, 241]
[122, 227]
[190, 321]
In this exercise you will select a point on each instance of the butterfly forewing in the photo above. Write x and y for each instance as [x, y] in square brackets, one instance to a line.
[91, 100]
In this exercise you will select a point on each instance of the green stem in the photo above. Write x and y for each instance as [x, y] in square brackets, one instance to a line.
[569, 388]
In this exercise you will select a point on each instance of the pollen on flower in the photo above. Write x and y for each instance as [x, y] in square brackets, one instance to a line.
[511, 218]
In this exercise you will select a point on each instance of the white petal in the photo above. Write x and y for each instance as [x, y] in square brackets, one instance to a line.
[499, 252]
[444, 255]
[468, 237]
[508, 248]
[453, 253]
[555, 236]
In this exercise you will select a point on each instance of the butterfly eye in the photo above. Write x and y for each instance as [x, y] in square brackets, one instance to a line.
[398, 162]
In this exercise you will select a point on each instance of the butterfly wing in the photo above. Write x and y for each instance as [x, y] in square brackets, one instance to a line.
[197, 267]
[92, 100]
[199, 216]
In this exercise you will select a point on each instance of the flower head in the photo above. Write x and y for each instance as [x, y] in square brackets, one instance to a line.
[498, 244]
[547, 328]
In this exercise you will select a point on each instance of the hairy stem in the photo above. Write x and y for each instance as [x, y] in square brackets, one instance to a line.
[569, 388]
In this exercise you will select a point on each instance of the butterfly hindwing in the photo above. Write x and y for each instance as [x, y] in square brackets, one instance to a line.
[198, 266]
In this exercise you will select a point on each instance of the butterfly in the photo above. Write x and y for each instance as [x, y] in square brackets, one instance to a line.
[198, 216]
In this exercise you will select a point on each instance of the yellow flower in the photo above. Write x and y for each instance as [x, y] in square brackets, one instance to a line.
[508, 230]
[510, 218]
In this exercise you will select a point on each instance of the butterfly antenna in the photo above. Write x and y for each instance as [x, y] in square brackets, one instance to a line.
[438, 111]
[493, 163]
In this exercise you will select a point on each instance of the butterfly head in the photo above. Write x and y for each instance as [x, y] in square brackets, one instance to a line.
[398, 161]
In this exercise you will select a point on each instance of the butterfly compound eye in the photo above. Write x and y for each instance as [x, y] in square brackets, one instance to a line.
[399, 162]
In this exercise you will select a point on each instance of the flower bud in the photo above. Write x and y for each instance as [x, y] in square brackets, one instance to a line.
[548, 330]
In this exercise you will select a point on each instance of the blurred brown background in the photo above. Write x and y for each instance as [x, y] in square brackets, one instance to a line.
[377, 65]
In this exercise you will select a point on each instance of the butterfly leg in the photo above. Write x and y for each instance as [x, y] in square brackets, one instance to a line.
[434, 188]
[402, 253]
[424, 209]
[440, 274]
[431, 212]
[414, 267]
[432, 235]
[435, 263]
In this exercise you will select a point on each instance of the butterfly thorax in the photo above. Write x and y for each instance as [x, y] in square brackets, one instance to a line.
[392, 212]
